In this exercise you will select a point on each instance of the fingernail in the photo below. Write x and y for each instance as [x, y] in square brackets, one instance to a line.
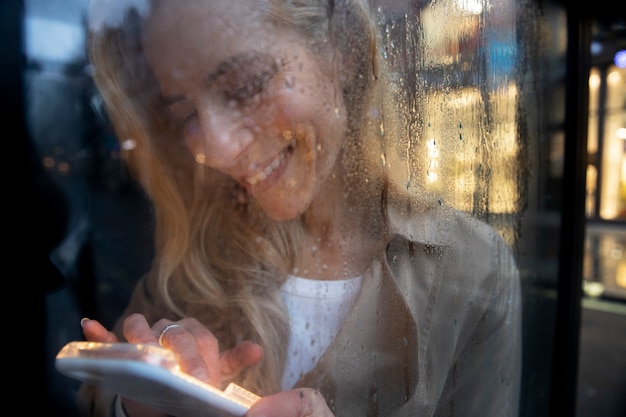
[83, 320]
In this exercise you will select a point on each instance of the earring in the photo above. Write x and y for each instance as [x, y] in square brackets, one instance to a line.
[200, 158]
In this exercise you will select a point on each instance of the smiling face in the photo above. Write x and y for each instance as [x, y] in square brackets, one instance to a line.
[250, 97]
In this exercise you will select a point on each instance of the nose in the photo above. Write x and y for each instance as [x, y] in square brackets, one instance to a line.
[225, 135]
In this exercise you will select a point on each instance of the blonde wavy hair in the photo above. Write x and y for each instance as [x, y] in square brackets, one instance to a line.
[218, 257]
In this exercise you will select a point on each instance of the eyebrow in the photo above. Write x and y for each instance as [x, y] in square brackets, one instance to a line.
[231, 63]
[224, 67]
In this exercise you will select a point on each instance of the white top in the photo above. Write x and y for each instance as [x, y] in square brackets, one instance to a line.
[317, 309]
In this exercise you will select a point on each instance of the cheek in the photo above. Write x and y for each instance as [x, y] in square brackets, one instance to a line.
[321, 109]
[285, 107]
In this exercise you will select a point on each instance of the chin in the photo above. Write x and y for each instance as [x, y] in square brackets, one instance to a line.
[281, 215]
[281, 211]
[284, 204]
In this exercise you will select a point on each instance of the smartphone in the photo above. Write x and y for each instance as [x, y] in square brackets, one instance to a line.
[150, 375]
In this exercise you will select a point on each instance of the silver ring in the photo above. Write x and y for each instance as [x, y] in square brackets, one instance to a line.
[165, 329]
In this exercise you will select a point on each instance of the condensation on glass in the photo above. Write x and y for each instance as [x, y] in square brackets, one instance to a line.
[475, 80]
[458, 71]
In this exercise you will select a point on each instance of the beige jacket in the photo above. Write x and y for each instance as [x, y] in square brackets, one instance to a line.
[435, 330]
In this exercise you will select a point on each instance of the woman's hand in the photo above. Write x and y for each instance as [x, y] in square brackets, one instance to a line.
[299, 402]
[196, 348]
[96, 332]
[198, 354]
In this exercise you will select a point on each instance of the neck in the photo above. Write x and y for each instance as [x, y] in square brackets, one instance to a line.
[341, 236]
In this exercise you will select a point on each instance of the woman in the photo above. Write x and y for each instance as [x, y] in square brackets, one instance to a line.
[292, 262]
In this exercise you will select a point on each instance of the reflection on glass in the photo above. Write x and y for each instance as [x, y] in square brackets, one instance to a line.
[613, 204]
[607, 116]
[606, 183]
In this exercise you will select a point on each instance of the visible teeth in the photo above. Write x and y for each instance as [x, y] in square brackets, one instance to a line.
[262, 176]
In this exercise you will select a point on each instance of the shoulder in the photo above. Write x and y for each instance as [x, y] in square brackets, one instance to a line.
[439, 225]
[451, 267]
[449, 244]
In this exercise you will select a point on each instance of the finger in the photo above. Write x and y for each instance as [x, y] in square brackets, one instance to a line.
[96, 332]
[136, 329]
[299, 402]
[195, 346]
[235, 360]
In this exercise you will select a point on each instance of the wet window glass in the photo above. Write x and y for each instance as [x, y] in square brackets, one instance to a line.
[356, 202]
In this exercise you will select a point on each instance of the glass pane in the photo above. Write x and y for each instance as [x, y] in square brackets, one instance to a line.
[601, 368]
[242, 161]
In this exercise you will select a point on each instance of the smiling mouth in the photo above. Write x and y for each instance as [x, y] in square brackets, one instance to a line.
[262, 176]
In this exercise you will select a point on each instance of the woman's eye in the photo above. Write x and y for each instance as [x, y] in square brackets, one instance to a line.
[249, 88]
[184, 116]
